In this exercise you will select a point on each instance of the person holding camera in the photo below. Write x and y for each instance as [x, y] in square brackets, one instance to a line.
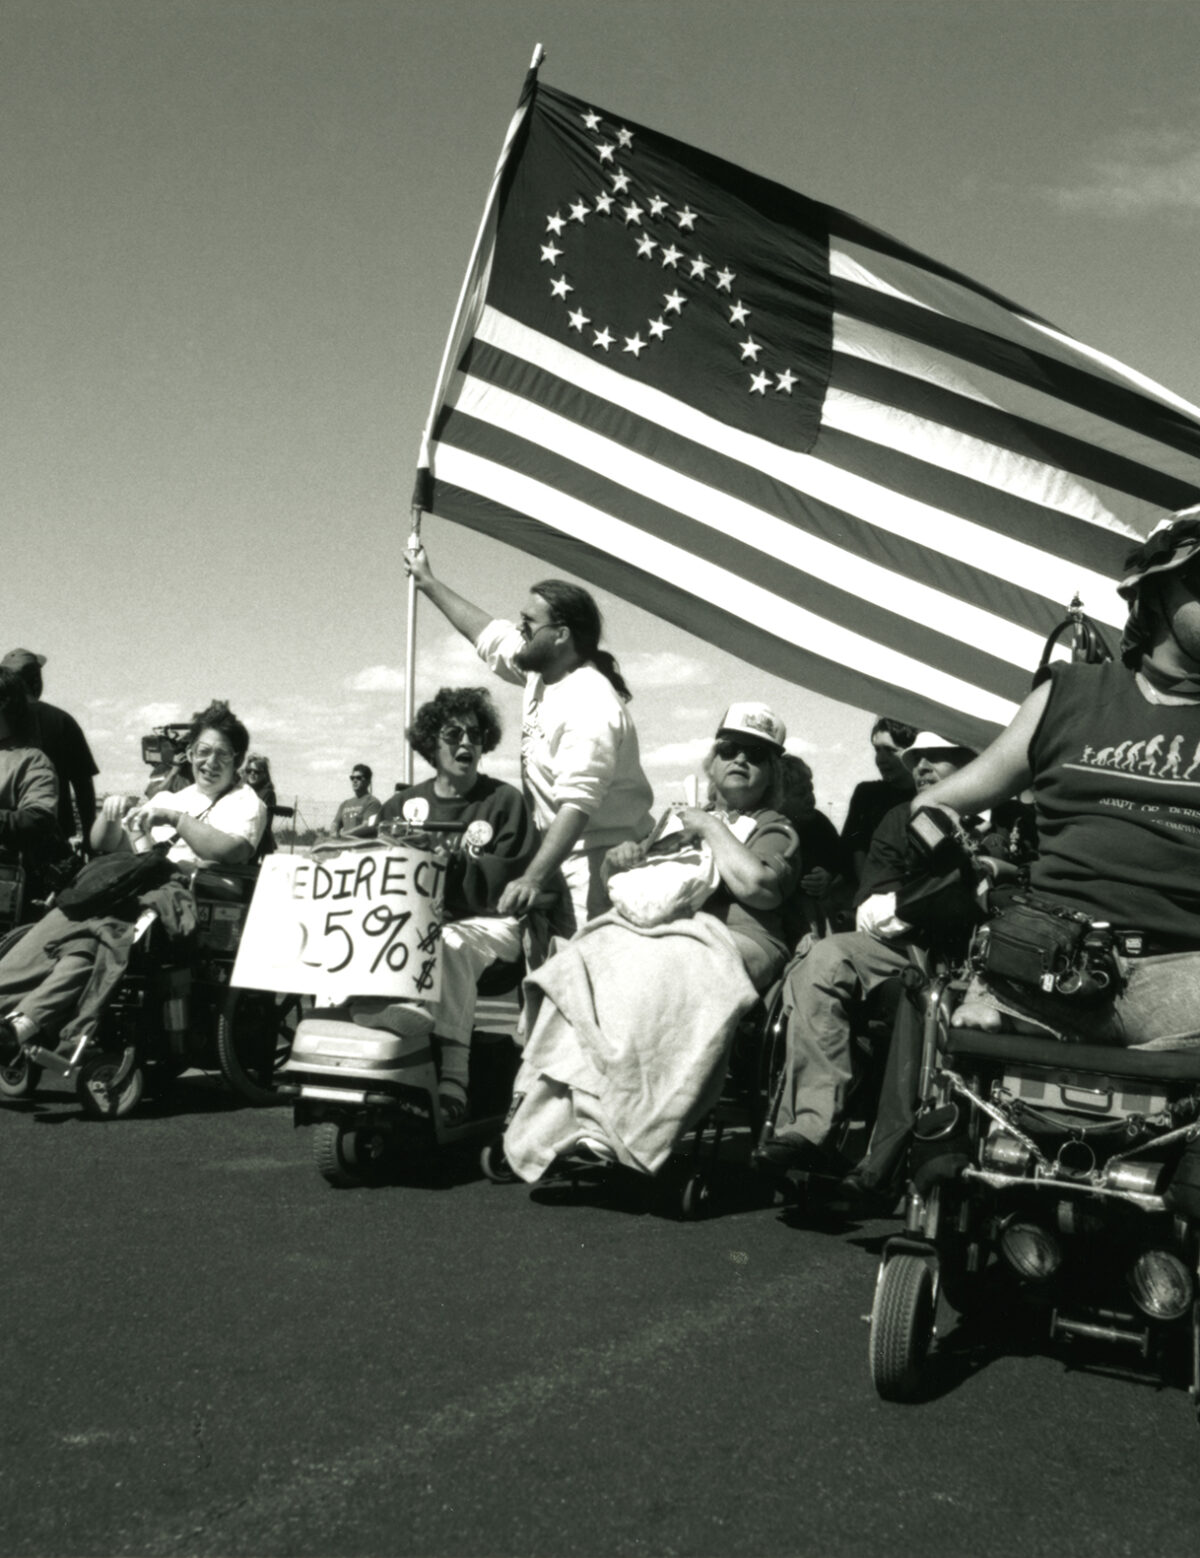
[823, 981]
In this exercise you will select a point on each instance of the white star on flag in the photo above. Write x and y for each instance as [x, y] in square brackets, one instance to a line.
[634, 344]
[550, 253]
[605, 151]
[673, 302]
[646, 246]
[561, 287]
[578, 319]
[625, 137]
[603, 339]
[591, 119]
[620, 182]
[604, 203]
[671, 256]
[750, 348]
[555, 224]
[579, 211]
[758, 384]
[657, 205]
[659, 327]
[785, 380]
[725, 280]
[686, 218]
[633, 213]
[738, 314]
[700, 265]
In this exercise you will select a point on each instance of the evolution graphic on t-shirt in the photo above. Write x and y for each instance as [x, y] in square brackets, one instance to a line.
[1156, 758]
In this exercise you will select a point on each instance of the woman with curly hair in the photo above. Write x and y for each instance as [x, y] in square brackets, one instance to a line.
[452, 732]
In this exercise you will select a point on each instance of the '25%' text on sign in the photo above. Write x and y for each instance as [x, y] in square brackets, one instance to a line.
[366, 921]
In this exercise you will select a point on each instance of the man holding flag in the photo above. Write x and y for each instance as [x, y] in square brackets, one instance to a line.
[580, 765]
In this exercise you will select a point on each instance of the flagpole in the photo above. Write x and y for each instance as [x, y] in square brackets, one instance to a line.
[474, 282]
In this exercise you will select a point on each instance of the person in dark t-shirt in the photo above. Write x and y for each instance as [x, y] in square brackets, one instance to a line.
[57, 734]
[874, 798]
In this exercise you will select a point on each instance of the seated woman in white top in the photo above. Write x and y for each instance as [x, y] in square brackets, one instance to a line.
[218, 817]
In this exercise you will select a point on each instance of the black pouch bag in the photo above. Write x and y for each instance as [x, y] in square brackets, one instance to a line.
[1044, 946]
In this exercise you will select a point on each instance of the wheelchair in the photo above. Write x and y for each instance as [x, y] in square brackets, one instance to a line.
[1062, 1180]
[173, 1010]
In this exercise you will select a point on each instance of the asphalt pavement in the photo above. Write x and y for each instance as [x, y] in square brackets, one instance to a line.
[209, 1351]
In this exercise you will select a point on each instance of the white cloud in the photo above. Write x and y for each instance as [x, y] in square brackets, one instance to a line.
[1139, 170]
[662, 668]
[157, 714]
[376, 678]
[678, 754]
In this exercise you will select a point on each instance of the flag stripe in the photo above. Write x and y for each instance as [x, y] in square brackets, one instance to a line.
[1066, 382]
[974, 382]
[521, 494]
[904, 279]
[841, 534]
[1021, 435]
[1015, 518]
[777, 558]
[951, 535]
[716, 622]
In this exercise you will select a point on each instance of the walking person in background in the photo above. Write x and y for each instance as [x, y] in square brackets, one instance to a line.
[579, 750]
[57, 734]
[360, 807]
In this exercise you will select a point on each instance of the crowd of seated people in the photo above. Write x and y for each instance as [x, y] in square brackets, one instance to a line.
[1108, 753]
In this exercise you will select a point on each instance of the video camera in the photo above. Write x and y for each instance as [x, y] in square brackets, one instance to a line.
[165, 746]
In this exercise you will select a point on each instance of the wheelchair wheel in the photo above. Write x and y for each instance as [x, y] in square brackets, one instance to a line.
[495, 1165]
[349, 1155]
[19, 1079]
[254, 1039]
[901, 1327]
[697, 1199]
[102, 1096]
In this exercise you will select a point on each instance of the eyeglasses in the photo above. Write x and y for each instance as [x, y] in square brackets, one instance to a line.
[453, 734]
[211, 755]
[358, 776]
[730, 747]
[528, 630]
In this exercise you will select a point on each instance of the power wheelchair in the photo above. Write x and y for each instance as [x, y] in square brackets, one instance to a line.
[1058, 1182]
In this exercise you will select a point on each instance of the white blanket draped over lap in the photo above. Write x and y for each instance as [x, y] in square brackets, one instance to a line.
[630, 1037]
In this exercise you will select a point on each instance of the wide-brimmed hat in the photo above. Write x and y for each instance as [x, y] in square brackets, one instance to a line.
[1173, 543]
[754, 719]
[929, 741]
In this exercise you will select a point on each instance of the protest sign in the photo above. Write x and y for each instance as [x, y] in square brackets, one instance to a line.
[363, 921]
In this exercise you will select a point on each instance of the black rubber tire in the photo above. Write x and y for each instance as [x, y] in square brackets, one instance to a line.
[348, 1156]
[696, 1200]
[95, 1095]
[19, 1079]
[901, 1327]
[495, 1165]
[254, 1039]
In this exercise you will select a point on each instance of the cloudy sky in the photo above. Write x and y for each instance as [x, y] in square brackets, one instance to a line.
[234, 234]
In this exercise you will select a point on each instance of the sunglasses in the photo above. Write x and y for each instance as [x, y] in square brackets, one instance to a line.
[453, 734]
[359, 776]
[729, 747]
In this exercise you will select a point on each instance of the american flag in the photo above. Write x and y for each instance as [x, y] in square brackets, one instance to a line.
[784, 431]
